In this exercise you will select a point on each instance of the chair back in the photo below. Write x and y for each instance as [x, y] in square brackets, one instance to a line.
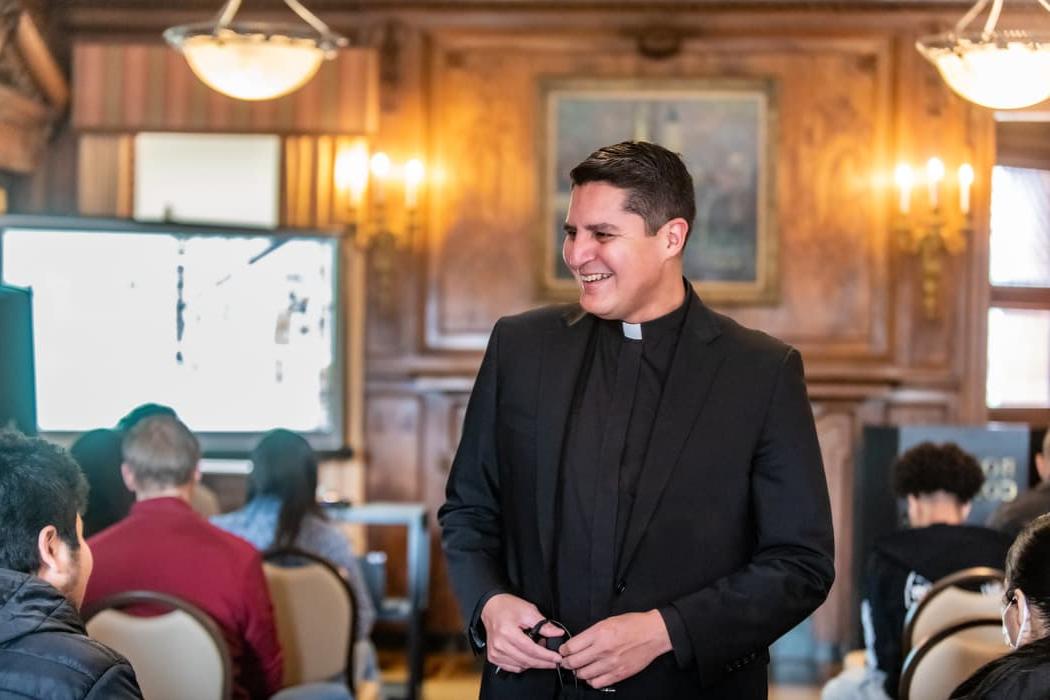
[940, 663]
[948, 603]
[315, 611]
[176, 655]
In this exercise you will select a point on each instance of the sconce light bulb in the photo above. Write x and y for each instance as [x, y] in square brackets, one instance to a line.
[934, 170]
[965, 175]
[351, 172]
[903, 176]
[414, 172]
[381, 165]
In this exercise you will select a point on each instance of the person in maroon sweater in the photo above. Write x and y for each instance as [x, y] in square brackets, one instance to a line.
[163, 545]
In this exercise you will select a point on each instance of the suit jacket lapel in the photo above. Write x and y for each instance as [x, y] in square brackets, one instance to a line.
[563, 354]
[695, 364]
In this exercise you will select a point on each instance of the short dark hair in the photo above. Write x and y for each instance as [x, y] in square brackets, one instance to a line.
[161, 451]
[98, 452]
[928, 468]
[284, 465]
[142, 412]
[1027, 565]
[659, 185]
[40, 485]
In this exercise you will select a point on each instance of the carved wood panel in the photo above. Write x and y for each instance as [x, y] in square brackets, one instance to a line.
[836, 430]
[392, 423]
[833, 133]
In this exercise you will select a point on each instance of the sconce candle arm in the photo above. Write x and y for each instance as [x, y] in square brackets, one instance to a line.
[226, 14]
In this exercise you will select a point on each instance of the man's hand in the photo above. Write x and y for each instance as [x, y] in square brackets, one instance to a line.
[616, 648]
[506, 618]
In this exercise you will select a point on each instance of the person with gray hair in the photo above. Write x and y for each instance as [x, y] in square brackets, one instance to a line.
[1012, 517]
[163, 545]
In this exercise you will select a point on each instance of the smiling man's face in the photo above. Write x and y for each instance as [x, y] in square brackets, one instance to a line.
[624, 273]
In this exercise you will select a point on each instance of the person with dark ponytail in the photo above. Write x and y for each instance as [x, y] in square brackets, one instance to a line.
[1023, 674]
[282, 511]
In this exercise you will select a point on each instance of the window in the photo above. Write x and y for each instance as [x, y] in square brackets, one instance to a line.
[231, 179]
[1018, 379]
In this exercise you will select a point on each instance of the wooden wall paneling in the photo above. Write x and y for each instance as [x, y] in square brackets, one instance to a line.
[105, 174]
[833, 131]
[52, 187]
[145, 86]
[393, 430]
[837, 432]
[932, 121]
[973, 348]
[444, 423]
[394, 293]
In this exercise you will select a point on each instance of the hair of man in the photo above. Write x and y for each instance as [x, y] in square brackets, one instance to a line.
[161, 452]
[284, 465]
[141, 412]
[658, 184]
[928, 468]
[40, 485]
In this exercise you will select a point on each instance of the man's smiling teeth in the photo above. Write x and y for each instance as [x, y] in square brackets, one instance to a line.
[596, 276]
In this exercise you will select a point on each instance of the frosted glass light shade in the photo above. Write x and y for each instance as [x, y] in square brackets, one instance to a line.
[249, 65]
[1001, 70]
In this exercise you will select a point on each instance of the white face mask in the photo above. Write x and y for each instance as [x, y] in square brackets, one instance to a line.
[1021, 632]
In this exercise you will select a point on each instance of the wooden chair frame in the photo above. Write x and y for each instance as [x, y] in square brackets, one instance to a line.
[911, 662]
[973, 575]
[128, 598]
[275, 555]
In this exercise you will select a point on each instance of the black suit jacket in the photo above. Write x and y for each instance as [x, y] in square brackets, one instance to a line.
[731, 524]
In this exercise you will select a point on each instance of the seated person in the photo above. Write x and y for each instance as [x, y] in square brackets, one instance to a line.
[44, 566]
[1025, 673]
[939, 482]
[202, 499]
[163, 545]
[282, 512]
[99, 456]
[1013, 516]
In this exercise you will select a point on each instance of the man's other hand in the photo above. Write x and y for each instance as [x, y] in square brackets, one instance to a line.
[507, 618]
[616, 648]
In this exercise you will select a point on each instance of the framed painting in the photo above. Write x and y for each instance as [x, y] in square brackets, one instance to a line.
[725, 130]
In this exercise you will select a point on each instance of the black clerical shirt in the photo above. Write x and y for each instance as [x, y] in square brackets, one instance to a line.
[582, 472]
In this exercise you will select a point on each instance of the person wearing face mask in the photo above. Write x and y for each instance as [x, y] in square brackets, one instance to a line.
[1024, 673]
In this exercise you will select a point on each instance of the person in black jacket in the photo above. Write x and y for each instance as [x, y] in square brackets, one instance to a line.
[938, 483]
[1025, 673]
[44, 568]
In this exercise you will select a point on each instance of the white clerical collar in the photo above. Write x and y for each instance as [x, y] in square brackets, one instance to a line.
[632, 330]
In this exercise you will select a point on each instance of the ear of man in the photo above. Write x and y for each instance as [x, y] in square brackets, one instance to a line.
[55, 563]
[675, 233]
[129, 477]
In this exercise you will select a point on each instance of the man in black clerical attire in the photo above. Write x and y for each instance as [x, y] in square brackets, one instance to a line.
[638, 502]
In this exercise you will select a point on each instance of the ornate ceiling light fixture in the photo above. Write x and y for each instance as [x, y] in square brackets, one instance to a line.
[1004, 69]
[255, 60]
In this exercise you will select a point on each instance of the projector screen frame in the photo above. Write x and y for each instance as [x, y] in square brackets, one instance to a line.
[232, 445]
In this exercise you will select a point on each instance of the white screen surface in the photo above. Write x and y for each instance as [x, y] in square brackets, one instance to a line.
[237, 334]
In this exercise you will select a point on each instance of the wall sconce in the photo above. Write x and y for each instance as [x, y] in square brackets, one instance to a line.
[363, 184]
[936, 228]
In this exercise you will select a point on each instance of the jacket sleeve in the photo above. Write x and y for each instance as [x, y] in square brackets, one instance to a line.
[117, 683]
[260, 631]
[732, 622]
[882, 614]
[471, 519]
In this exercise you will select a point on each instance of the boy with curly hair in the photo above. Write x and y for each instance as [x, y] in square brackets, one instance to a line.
[938, 482]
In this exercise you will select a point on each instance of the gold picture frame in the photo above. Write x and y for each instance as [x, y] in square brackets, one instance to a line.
[725, 130]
